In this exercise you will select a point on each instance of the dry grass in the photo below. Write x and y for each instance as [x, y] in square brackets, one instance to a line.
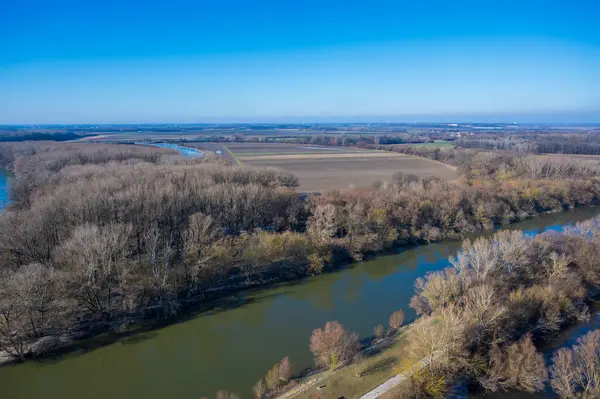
[326, 156]
[319, 172]
[254, 149]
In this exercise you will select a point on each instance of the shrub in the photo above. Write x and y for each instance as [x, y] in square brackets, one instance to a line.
[226, 395]
[437, 289]
[519, 366]
[396, 319]
[285, 370]
[379, 331]
[576, 371]
[272, 377]
[333, 346]
[424, 383]
[279, 374]
[259, 389]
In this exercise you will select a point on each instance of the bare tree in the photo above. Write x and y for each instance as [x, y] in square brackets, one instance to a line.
[396, 319]
[285, 370]
[94, 258]
[272, 377]
[259, 389]
[29, 307]
[437, 289]
[200, 233]
[378, 331]
[425, 383]
[161, 254]
[226, 395]
[575, 372]
[439, 340]
[483, 315]
[333, 345]
[556, 266]
[519, 366]
[323, 224]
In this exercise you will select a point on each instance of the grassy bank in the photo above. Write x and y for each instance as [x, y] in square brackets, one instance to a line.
[381, 362]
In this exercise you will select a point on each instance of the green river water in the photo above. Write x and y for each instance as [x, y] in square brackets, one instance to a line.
[233, 344]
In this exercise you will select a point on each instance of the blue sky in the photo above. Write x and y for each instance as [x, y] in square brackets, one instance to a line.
[205, 61]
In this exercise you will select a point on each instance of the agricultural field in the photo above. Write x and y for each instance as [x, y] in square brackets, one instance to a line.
[259, 149]
[324, 168]
[218, 148]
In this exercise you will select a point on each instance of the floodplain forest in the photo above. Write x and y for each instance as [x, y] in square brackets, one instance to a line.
[101, 236]
[480, 320]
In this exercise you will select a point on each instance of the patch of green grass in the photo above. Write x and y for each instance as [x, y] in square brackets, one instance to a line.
[355, 380]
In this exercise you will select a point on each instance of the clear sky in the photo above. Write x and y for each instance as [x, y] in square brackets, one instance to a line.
[91, 61]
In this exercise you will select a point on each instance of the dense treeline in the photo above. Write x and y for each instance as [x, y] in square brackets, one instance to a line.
[504, 165]
[550, 143]
[103, 235]
[40, 136]
[481, 317]
[109, 231]
[334, 140]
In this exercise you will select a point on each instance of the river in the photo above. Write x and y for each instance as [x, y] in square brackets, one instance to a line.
[232, 345]
[4, 179]
[565, 339]
[187, 152]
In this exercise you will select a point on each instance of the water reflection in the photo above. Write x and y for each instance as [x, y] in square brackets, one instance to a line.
[184, 151]
[232, 346]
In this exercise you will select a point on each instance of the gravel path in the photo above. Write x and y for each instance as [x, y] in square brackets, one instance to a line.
[394, 381]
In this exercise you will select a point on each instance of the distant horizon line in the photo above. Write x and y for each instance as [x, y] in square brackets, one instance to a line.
[564, 117]
[298, 122]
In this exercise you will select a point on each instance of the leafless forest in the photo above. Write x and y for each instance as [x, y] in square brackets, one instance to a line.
[481, 318]
[101, 236]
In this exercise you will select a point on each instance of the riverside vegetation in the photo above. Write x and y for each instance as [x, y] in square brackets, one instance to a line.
[101, 236]
[480, 320]
[481, 317]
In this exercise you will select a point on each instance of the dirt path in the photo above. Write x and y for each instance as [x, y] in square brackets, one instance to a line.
[394, 381]
[232, 156]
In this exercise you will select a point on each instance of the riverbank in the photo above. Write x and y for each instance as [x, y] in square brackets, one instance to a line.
[201, 352]
[565, 339]
[187, 152]
[215, 296]
[392, 366]
[548, 333]
[384, 360]
[187, 232]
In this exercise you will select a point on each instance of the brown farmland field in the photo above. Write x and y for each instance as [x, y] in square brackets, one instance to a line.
[336, 168]
[257, 149]
[234, 151]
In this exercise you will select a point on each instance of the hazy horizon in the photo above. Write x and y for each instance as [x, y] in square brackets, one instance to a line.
[554, 118]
